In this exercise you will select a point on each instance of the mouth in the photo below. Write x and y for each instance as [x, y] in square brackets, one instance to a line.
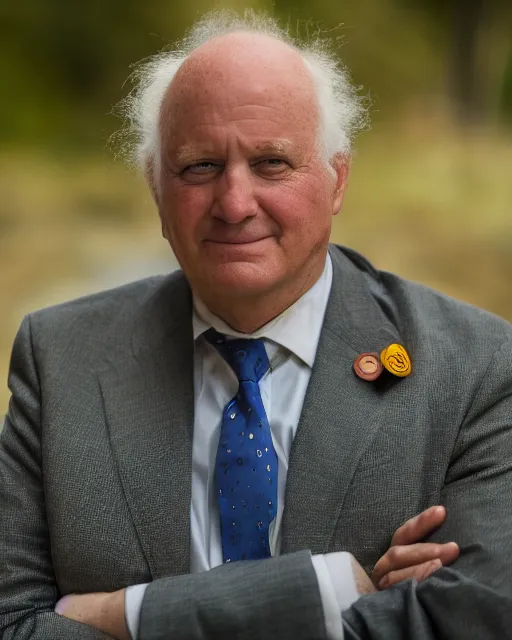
[235, 241]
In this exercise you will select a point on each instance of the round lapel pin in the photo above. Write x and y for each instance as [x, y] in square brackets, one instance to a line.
[367, 366]
[396, 360]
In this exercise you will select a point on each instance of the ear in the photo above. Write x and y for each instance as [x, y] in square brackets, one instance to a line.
[151, 179]
[149, 174]
[341, 165]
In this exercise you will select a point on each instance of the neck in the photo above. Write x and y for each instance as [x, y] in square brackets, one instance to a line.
[248, 313]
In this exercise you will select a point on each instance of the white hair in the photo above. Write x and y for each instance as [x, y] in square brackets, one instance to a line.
[342, 110]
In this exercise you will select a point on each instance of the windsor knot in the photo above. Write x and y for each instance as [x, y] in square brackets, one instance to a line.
[248, 358]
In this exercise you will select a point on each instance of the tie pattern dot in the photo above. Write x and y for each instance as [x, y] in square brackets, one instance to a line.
[246, 463]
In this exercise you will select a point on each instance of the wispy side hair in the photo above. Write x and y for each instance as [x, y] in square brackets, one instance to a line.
[342, 109]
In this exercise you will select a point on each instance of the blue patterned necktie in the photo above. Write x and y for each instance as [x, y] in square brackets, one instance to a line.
[246, 464]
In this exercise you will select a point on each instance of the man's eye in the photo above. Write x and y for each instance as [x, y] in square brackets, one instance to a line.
[272, 166]
[200, 167]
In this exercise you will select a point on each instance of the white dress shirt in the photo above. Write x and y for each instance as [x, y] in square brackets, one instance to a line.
[291, 342]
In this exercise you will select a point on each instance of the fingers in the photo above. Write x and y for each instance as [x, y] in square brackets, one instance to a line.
[72, 606]
[408, 557]
[400, 557]
[419, 572]
[419, 527]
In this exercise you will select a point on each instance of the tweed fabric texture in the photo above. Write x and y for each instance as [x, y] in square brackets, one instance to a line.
[95, 456]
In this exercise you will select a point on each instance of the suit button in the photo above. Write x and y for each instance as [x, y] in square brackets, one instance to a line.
[367, 366]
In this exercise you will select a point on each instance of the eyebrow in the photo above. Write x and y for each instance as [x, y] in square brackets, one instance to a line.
[188, 153]
[278, 146]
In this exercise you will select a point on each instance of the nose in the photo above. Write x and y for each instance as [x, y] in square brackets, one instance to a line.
[234, 196]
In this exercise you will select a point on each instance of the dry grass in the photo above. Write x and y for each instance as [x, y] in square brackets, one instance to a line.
[425, 203]
[436, 208]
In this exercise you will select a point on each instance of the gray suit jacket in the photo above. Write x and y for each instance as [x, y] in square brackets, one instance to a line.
[95, 467]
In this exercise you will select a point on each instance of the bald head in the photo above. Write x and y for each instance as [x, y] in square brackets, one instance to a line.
[242, 68]
[249, 57]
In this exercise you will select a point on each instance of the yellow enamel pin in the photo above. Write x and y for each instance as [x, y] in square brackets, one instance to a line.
[396, 360]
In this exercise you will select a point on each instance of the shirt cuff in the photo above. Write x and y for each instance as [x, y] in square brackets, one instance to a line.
[133, 598]
[337, 589]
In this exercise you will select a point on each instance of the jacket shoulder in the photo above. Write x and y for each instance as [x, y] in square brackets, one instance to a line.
[106, 319]
[101, 306]
[436, 317]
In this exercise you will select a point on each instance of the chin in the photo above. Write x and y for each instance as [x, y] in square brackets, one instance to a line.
[243, 279]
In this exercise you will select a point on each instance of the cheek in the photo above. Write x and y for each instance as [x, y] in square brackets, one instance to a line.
[183, 210]
[301, 209]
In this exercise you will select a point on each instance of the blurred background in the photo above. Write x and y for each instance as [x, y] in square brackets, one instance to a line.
[430, 195]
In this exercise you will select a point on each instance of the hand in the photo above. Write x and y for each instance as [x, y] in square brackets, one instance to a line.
[103, 611]
[407, 557]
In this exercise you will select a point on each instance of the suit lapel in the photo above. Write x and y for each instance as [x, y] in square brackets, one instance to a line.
[149, 405]
[340, 413]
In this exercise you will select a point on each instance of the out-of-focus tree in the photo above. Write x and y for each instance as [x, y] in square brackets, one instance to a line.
[506, 94]
[476, 38]
[463, 21]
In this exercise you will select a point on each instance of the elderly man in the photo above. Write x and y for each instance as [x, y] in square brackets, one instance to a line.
[273, 408]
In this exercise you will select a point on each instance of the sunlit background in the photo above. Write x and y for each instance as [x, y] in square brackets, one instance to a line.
[430, 195]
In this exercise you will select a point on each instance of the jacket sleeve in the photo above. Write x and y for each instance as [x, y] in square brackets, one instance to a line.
[446, 606]
[275, 599]
[473, 598]
[28, 589]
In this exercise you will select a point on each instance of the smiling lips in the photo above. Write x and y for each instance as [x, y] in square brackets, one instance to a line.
[236, 241]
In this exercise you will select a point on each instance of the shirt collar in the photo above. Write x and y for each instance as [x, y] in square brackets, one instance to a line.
[297, 329]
